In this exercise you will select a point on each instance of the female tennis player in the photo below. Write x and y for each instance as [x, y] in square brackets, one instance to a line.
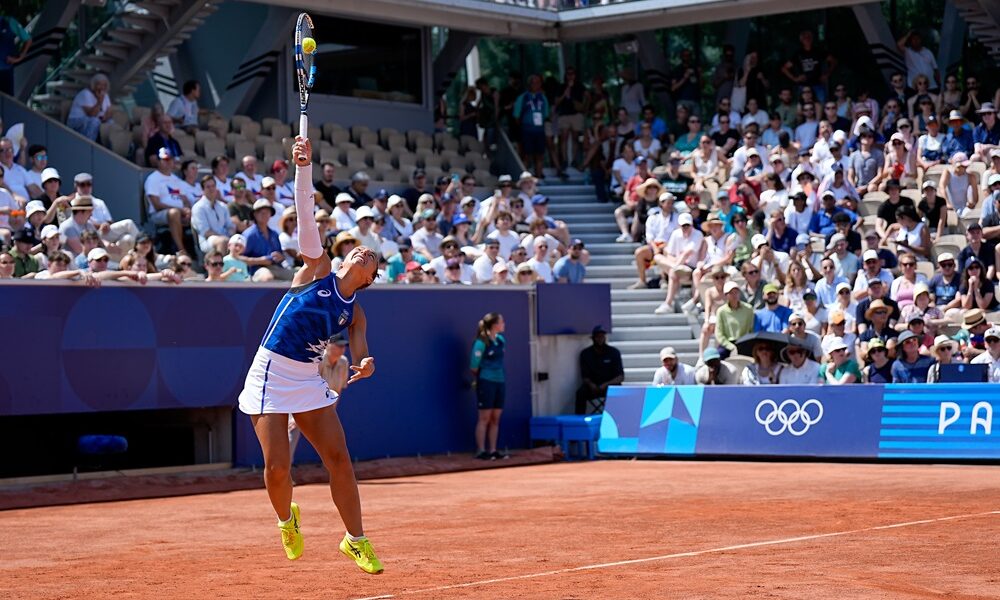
[284, 377]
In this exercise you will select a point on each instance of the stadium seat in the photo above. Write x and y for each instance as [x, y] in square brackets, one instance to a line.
[978, 168]
[471, 144]
[934, 173]
[328, 128]
[237, 121]
[274, 149]
[424, 142]
[104, 133]
[368, 140]
[875, 196]
[267, 125]
[261, 141]
[338, 137]
[281, 130]
[739, 362]
[868, 207]
[381, 159]
[396, 142]
[120, 141]
[243, 148]
[330, 154]
[412, 135]
[925, 268]
[356, 158]
[448, 143]
[912, 195]
[314, 133]
[356, 131]
[218, 126]
[213, 147]
[479, 162]
[431, 161]
[120, 117]
[385, 133]
[231, 139]
[186, 142]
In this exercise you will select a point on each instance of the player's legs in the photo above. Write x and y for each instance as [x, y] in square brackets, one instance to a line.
[272, 431]
[323, 430]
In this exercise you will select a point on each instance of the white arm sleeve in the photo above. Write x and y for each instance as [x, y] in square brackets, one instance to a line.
[309, 242]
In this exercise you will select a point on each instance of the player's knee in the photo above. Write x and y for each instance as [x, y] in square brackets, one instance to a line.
[277, 471]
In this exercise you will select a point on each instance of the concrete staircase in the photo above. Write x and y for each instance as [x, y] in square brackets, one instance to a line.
[636, 331]
[125, 48]
[983, 17]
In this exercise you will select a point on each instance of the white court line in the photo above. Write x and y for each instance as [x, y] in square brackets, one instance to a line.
[678, 555]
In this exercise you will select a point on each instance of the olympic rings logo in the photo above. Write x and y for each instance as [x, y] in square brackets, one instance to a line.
[788, 416]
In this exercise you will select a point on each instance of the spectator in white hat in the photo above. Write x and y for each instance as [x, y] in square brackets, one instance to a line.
[59, 268]
[930, 146]
[233, 261]
[959, 186]
[396, 224]
[871, 269]
[118, 233]
[672, 371]
[501, 273]
[71, 229]
[483, 266]
[362, 230]
[343, 216]
[992, 355]
[773, 264]
[539, 261]
[846, 262]
[56, 204]
[734, 319]
[684, 251]
[210, 218]
[426, 239]
[166, 205]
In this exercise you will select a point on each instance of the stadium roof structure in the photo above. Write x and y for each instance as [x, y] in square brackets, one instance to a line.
[493, 18]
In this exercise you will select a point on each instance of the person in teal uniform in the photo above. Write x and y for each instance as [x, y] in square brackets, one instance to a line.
[487, 367]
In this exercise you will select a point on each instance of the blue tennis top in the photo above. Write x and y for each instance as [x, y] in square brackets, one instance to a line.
[308, 316]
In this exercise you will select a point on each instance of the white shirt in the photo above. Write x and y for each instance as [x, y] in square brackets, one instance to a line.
[252, 184]
[165, 187]
[211, 216]
[440, 266]
[368, 240]
[633, 98]
[7, 201]
[85, 99]
[32, 177]
[193, 191]
[685, 376]
[678, 244]
[225, 187]
[740, 159]
[285, 193]
[508, 242]
[799, 221]
[344, 220]
[16, 179]
[542, 268]
[807, 374]
[735, 120]
[771, 200]
[659, 227]
[624, 168]
[653, 151]
[767, 269]
[528, 243]
[760, 118]
[861, 283]
[483, 268]
[716, 250]
[994, 365]
[919, 62]
[101, 213]
[184, 110]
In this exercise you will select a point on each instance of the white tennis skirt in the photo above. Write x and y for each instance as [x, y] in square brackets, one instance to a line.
[276, 384]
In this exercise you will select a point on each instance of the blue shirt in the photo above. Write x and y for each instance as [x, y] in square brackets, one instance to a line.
[826, 293]
[962, 142]
[944, 292]
[982, 135]
[257, 246]
[527, 105]
[573, 271]
[822, 222]
[784, 242]
[306, 318]
[727, 218]
[915, 372]
[657, 129]
[775, 321]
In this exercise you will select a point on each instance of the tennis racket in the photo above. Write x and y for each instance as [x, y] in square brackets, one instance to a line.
[305, 69]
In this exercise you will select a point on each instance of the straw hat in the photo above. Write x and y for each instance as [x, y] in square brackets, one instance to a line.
[342, 238]
[652, 182]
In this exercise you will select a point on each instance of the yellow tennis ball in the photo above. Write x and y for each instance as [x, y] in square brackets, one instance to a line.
[308, 45]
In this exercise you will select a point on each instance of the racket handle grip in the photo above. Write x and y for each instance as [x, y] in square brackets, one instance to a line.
[304, 126]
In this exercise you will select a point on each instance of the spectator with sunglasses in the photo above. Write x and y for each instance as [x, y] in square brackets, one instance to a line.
[215, 267]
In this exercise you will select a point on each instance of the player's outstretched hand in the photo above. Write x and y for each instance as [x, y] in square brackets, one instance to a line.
[302, 151]
[365, 369]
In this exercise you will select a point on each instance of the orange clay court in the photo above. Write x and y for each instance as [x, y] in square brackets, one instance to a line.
[607, 529]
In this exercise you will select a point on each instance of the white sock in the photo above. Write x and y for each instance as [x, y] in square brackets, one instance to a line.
[355, 539]
[291, 517]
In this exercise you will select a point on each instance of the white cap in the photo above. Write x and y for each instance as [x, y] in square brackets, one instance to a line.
[48, 231]
[758, 240]
[500, 267]
[835, 343]
[50, 173]
[685, 219]
[267, 182]
[539, 241]
[467, 200]
[839, 136]
[994, 178]
[343, 197]
[929, 183]
[97, 254]
[730, 286]
[837, 237]
[668, 352]
[365, 212]
[394, 200]
[944, 256]
[237, 239]
[992, 332]
[33, 207]
[843, 285]
[869, 255]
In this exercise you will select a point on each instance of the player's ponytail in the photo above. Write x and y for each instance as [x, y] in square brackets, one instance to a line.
[485, 324]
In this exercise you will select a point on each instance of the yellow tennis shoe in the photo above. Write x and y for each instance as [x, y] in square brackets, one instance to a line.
[291, 535]
[362, 553]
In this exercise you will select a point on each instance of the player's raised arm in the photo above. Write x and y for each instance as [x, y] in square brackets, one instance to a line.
[317, 263]
[363, 364]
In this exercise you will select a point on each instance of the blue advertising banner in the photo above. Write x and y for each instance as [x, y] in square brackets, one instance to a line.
[139, 348]
[939, 421]
[566, 308]
[942, 421]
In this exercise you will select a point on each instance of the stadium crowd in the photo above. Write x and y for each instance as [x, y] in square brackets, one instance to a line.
[863, 222]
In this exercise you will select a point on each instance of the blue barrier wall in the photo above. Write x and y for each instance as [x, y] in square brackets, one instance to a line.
[566, 309]
[939, 421]
[74, 349]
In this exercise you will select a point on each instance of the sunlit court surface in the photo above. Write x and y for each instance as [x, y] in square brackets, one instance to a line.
[606, 529]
